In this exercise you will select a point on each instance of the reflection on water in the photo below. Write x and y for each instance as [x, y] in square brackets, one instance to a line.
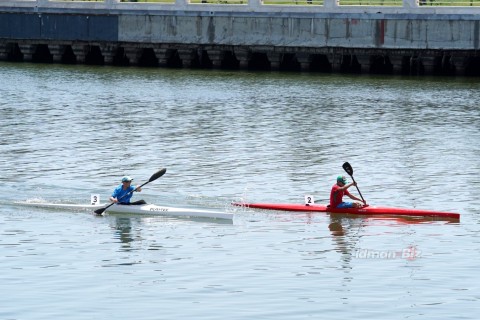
[123, 232]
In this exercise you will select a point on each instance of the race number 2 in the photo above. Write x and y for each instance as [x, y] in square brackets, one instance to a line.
[309, 200]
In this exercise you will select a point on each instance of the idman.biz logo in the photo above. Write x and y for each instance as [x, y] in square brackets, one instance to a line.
[410, 253]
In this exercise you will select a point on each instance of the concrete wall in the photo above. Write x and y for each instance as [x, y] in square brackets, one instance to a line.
[294, 30]
[49, 26]
[305, 30]
[423, 35]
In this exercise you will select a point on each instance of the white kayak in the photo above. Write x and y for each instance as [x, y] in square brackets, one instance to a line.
[146, 209]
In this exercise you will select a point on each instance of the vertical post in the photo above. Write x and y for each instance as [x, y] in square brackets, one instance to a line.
[330, 3]
[181, 3]
[255, 3]
[110, 3]
[42, 3]
[410, 3]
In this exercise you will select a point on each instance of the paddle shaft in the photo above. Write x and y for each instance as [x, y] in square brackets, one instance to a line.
[358, 189]
[152, 178]
[348, 168]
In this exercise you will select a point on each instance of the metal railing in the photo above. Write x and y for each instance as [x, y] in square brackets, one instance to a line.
[449, 3]
[439, 3]
[363, 6]
[387, 3]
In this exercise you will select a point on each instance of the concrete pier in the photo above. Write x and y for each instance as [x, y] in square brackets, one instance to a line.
[408, 39]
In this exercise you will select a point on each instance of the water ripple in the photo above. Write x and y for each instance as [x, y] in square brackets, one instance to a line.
[69, 131]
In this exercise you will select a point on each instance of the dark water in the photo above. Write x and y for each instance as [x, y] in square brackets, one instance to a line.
[70, 131]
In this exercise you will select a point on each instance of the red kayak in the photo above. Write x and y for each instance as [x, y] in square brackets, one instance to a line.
[368, 210]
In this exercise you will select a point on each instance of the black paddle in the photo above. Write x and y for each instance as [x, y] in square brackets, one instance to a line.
[348, 168]
[152, 178]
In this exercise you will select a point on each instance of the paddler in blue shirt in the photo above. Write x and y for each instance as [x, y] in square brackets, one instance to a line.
[124, 192]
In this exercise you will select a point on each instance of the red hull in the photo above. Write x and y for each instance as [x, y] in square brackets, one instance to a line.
[369, 210]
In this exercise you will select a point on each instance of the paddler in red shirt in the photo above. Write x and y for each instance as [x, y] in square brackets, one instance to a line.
[339, 190]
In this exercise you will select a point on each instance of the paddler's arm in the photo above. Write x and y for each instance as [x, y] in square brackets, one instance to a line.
[113, 197]
[351, 196]
[345, 187]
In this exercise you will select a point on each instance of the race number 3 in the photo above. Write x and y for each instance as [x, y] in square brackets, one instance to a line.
[309, 200]
[95, 199]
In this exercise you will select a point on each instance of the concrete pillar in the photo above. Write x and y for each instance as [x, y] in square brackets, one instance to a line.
[162, 55]
[216, 56]
[133, 54]
[336, 61]
[364, 61]
[3, 51]
[243, 56]
[458, 63]
[304, 60]
[57, 52]
[187, 56]
[428, 64]
[27, 51]
[275, 59]
[396, 63]
[108, 52]
[79, 52]
[416, 66]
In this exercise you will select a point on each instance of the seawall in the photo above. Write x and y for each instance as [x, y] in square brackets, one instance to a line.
[407, 39]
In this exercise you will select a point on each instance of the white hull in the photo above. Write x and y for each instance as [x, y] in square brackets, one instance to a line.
[147, 209]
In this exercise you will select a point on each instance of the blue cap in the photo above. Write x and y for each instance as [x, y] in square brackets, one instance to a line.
[127, 179]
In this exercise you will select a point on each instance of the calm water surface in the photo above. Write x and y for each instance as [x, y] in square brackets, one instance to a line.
[70, 131]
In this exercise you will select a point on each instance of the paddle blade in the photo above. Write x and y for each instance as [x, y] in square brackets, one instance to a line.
[348, 168]
[157, 175]
[100, 211]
